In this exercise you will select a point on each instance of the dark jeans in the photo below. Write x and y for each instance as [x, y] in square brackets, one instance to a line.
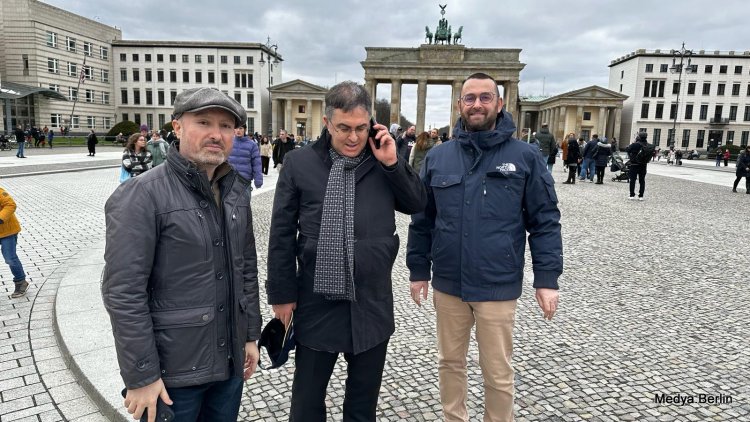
[311, 376]
[572, 171]
[737, 182]
[726, 162]
[600, 174]
[8, 246]
[92, 148]
[216, 401]
[264, 164]
[640, 173]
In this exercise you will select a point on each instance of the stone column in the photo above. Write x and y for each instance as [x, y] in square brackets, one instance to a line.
[579, 120]
[371, 86]
[511, 92]
[8, 120]
[421, 104]
[395, 101]
[288, 117]
[521, 121]
[275, 117]
[555, 112]
[616, 131]
[308, 124]
[455, 107]
[561, 124]
[602, 124]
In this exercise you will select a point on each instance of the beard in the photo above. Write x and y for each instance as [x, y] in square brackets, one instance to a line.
[481, 125]
[210, 158]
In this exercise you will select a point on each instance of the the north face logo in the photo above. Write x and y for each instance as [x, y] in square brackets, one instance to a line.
[506, 168]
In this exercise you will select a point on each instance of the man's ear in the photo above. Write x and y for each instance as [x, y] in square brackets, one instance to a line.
[499, 104]
[177, 127]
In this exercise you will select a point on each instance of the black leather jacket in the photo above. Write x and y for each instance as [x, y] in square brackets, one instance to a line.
[180, 282]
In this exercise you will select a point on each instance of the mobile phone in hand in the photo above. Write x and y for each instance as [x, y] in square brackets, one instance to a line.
[164, 413]
[373, 132]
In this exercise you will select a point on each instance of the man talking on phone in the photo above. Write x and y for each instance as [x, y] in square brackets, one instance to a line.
[331, 251]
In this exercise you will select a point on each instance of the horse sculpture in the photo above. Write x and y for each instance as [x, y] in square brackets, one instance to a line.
[427, 35]
[457, 36]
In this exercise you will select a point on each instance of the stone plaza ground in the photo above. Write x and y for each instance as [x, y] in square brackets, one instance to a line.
[653, 301]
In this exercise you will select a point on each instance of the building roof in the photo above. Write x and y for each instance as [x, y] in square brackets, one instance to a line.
[670, 53]
[12, 91]
[196, 44]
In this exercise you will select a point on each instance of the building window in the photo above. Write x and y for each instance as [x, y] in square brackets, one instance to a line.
[70, 44]
[622, 74]
[663, 68]
[104, 52]
[657, 136]
[210, 58]
[149, 76]
[105, 97]
[733, 113]
[125, 117]
[672, 111]
[135, 57]
[251, 125]
[249, 59]
[700, 139]
[644, 111]
[136, 75]
[691, 88]
[198, 58]
[124, 96]
[159, 75]
[198, 77]
[211, 78]
[238, 97]
[173, 58]
[620, 87]
[147, 58]
[72, 94]
[51, 39]
[301, 109]
[137, 118]
[53, 65]
[676, 88]
[136, 96]
[107, 123]
[123, 75]
[736, 89]
[173, 76]
[74, 122]
[89, 96]
[704, 112]
[708, 68]
[744, 139]
[670, 137]
[250, 101]
[718, 111]
[186, 58]
[723, 69]
[105, 76]
[237, 60]
[185, 76]
[654, 89]
[747, 113]
[54, 87]
[586, 115]
[172, 96]
[160, 97]
[223, 59]
[730, 136]
[688, 112]
[72, 69]
[55, 120]
[720, 89]
[149, 97]
[738, 70]
[659, 111]
[123, 57]
[88, 48]
[243, 80]
[90, 122]
[162, 120]
[706, 88]
[160, 58]
[748, 90]
[150, 120]
[224, 77]
[685, 138]
[649, 68]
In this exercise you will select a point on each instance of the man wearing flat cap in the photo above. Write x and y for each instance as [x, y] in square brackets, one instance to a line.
[180, 282]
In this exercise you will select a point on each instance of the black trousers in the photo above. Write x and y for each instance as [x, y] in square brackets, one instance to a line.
[600, 173]
[737, 182]
[264, 164]
[312, 372]
[92, 148]
[572, 171]
[638, 171]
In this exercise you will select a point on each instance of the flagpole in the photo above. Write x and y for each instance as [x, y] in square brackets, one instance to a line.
[78, 89]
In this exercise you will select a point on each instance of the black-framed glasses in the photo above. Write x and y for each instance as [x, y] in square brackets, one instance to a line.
[484, 98]
[346, 130]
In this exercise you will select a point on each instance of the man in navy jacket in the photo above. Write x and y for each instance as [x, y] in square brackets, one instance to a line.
[485, 192]
[245, 157]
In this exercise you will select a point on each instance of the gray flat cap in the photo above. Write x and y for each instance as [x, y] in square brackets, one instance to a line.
[197, 99]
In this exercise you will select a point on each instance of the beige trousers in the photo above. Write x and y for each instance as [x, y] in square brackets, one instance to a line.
[494, 332]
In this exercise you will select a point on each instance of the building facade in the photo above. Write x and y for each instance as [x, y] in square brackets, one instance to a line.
[149, 74]
[45, 47]
[298, 108]
[714, 97]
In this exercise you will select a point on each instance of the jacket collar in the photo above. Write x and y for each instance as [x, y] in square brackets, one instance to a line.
[503, 131]
[189, 175]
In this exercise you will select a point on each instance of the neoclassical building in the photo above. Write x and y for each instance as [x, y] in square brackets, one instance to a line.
[297, 107]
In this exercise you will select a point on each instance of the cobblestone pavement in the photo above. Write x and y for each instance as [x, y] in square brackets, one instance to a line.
[659, 308]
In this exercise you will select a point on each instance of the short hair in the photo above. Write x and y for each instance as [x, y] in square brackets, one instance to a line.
[483, 76]
[346, 96]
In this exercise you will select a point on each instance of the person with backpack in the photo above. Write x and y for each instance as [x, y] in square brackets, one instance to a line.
[588, 166]
[91, 142]
[640, 153]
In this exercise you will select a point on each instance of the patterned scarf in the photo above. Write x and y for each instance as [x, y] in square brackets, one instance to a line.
[334, 268]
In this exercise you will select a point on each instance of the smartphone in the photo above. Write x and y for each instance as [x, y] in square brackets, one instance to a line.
[373, 132]
[164, 413]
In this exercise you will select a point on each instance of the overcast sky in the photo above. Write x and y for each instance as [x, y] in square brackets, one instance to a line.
[567, 44]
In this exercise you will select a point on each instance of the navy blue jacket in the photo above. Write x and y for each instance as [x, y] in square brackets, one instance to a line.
[485, 192]
[588, 149]
[603, 154]
[245, 158]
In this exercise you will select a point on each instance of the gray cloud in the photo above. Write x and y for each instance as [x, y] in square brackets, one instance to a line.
[566, 44]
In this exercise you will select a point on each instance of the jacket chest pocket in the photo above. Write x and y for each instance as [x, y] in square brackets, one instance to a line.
[238, 223]
[184, 338]
[205, 230]
[502, 195]
[448, 193]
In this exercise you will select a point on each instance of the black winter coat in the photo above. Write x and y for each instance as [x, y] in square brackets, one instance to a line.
[743, 163]
[180, 282]
[338, 326]
[574, 152]
[602, 155]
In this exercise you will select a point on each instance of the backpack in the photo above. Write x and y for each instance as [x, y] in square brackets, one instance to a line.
[645, 154]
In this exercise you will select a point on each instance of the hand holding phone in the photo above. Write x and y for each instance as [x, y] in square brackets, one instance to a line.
[164, 413]
[373, 132]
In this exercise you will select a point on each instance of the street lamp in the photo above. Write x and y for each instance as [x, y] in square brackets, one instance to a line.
[682, 53]
[262, 62]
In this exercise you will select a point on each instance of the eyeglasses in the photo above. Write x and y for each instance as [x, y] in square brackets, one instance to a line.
[484, 98]
[346, 130]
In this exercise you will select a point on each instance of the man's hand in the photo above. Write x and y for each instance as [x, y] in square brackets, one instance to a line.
[547, 300]
[386, 154]
[136, 401]
[284, 312]
[419, 291]
[252, 356]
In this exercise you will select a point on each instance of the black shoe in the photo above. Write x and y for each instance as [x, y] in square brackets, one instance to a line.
[734, 190]
[21, 288]
[567, 183]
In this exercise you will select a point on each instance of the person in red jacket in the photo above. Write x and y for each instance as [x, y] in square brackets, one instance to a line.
[9, 229]
[726, 157]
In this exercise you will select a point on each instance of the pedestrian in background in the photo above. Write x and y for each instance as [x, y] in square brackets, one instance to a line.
[9, 229]
[20, 141]
[743, 170]
[726, 157]
[572, 159]
[91, 142]
[265, 154]
[245, 157]
[136, 159]
[719, 155]
[603, 152]
[425, 142]
[158, 148]
[50, 137]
